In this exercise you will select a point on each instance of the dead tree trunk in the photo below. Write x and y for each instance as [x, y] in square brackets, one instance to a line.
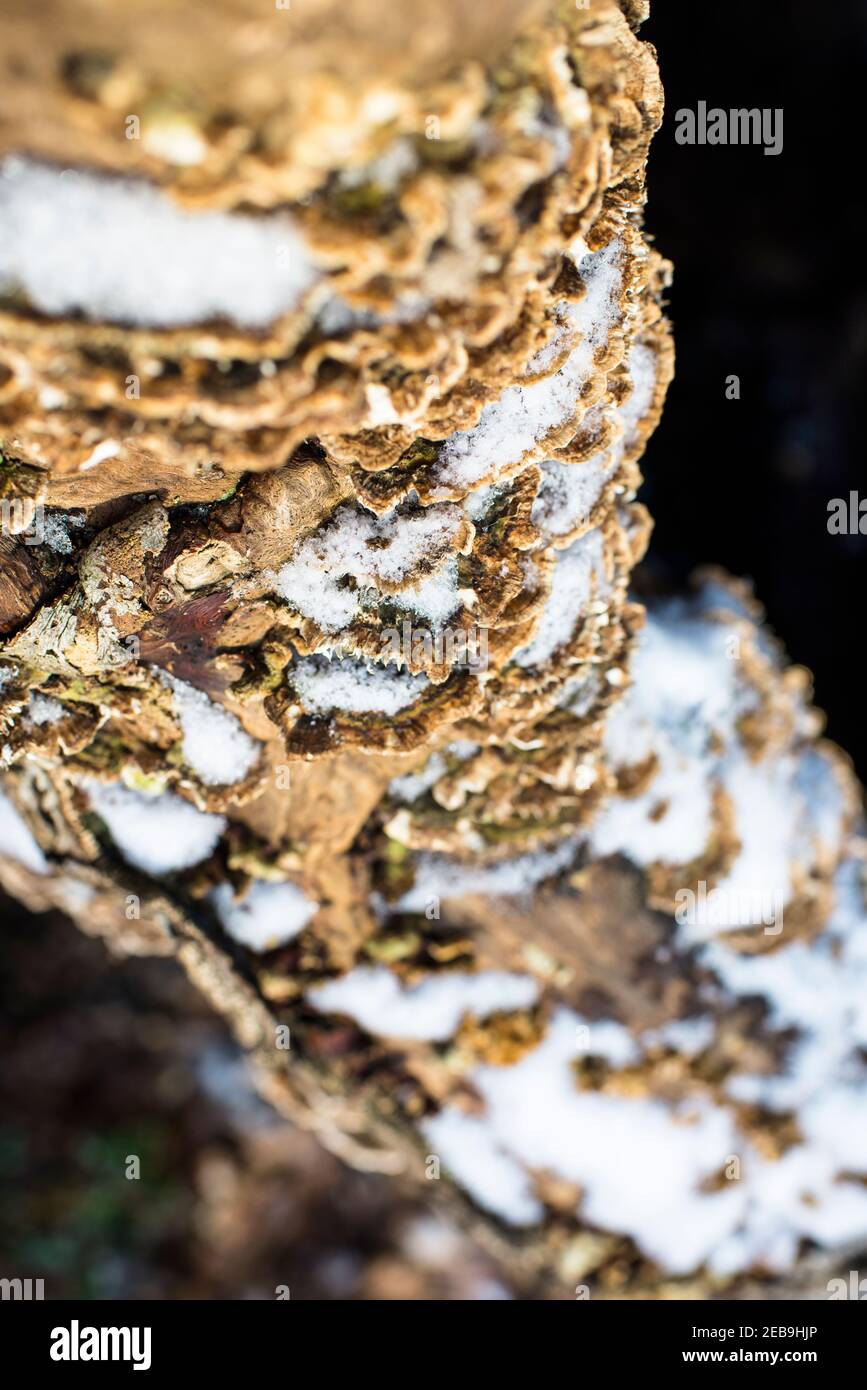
[324, 385]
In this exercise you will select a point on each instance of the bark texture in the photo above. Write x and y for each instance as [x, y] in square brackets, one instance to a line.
[325, 377]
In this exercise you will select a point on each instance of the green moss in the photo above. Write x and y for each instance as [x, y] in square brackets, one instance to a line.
[396, 946]
[518, 830]
[395, 852]
[420, 451]
[148, 783]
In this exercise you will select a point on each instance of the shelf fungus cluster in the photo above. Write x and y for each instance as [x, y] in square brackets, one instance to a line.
[330, 340]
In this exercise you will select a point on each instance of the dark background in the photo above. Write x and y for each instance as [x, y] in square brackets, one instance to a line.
[105, 1059]
[769, 285]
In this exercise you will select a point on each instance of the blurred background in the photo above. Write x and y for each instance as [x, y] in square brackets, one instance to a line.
[101, 1061]
[770, 286]
[104, 1061]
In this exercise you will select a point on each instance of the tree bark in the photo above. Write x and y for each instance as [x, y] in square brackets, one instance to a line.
[322, 666]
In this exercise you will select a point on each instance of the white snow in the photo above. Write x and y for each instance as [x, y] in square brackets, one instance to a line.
[576, 570]
[372, 551]
[597, 314]
[568, 493]
[512, 425]
[639, 1163]
[268, 914]
[688, 1036]
[522, 415]
[476, 1161]
[354, 686]
[463, 748]
[316, 593]
[43, 709]
[642, 370]
[818, 987]
[437, 876]
[768, 816]
[335, 316]
[670, 822]
[477, 502]
[579, 694]
[684, 690]
[435, 598]
[396, 162]
[120, 250]
[157, 834]
[17, 840]
[215, 745]
[432, 1011]
[821, 794]
[683, 706]
[607, 1039]
[411, 785]
[656, 1169]
[546, 125]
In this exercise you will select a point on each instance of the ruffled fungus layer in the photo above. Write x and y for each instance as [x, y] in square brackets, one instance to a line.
[326, 366]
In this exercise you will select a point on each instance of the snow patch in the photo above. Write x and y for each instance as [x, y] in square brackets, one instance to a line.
[17, 840]
[494, 1179]
[522, 415]
[121, 250]
[572, 588]
[684, 690]
[412, 785]
[568, 493]
[683, 708]
[268, 915]
[157, 834]
[354, 686]
[437, 876]
[431, 1011]
[372, 551]
[43, 709]
[641, 1163]
[638, 1162]
[215, 745]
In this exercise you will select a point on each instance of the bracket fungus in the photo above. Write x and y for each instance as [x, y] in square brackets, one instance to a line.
[328, 387]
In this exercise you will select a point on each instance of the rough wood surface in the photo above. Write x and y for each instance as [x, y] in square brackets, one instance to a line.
[321, 666]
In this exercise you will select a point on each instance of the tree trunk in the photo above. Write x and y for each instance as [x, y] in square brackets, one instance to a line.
[324, 385]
